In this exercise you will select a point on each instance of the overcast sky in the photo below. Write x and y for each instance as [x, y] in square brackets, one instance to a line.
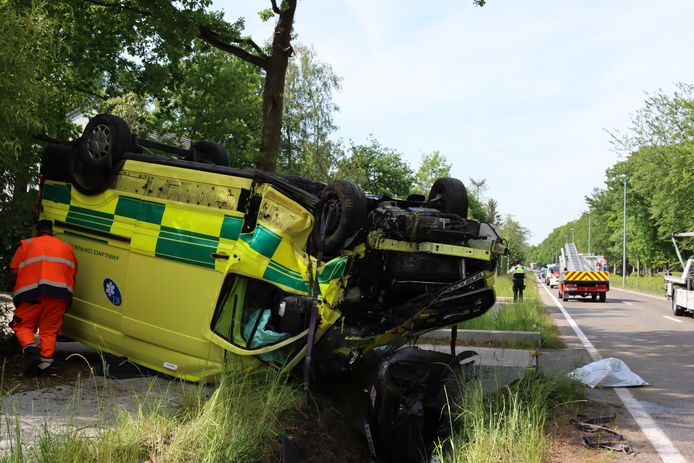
[517, 92]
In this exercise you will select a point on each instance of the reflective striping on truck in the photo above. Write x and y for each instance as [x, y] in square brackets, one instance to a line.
[586, 276]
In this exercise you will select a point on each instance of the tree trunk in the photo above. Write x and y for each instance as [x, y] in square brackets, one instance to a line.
[273, 90]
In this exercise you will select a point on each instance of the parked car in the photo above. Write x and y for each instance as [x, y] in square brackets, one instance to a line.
[187, 264]
[552, 276]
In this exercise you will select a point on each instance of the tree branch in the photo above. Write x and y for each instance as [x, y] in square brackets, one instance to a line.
[102, 97]
[120, 6]
[249, 41]
[275, 8]
[212, 39]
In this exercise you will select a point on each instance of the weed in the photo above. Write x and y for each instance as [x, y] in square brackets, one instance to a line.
[237, 422]
[529, 315]
[507, 426]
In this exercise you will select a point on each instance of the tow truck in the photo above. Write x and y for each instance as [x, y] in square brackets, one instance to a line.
[582, 274]
[680, 288]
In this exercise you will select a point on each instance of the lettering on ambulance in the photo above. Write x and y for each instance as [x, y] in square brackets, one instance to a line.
[95, 252]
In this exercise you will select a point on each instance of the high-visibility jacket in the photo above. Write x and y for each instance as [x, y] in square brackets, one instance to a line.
[46, 266]
[519, 274]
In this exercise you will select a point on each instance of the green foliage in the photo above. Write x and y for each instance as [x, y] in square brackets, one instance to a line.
[266, 14]
[658, 165]
[516, 236]
[433, 167]
[29, 105]
[491, 209]
[377, 169]
[307, 124]
[218, 98]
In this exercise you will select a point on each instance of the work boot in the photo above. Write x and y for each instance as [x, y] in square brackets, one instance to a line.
[31, 359]
[45, 368]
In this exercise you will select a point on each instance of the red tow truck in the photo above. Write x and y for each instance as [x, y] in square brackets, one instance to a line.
[582, 275]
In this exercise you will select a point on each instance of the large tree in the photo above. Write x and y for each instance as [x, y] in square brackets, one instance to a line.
[306, 148]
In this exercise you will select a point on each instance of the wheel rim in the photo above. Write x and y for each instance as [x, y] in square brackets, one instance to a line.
[99, 142]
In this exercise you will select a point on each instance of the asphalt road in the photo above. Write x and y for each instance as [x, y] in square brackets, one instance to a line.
[659, 347]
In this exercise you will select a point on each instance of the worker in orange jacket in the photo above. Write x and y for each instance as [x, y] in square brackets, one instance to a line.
[44, 268]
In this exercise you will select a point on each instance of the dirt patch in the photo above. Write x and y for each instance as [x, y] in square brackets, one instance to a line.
[566, 445]
[67, 367]
[322, 435]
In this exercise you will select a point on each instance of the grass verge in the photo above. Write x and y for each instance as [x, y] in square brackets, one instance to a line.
[652, 285]
[508, 426]
[238, 422]
[529, 315]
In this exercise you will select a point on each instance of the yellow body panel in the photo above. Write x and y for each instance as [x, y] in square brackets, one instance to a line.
[156, 252]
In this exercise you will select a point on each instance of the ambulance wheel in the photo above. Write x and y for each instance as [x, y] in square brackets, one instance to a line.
[564, 297]
[594, 297]
[603, 297]
[104, 141]
[449, 195]
[208, 151]
[341, 212]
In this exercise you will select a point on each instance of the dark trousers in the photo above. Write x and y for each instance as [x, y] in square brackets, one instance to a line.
[518, 291]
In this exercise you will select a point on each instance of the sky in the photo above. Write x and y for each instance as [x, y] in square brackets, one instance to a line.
[520, 93]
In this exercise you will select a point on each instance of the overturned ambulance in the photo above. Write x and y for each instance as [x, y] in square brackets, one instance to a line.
[187, 263]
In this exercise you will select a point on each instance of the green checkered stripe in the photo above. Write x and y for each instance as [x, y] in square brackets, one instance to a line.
[188, 246]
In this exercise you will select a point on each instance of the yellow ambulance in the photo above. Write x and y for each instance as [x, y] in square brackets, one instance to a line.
[186, 263]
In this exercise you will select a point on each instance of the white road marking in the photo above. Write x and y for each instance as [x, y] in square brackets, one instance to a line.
[625, 302]
[673, 319]
[661, 443]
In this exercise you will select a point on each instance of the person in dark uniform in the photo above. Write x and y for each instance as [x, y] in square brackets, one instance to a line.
[518, 272]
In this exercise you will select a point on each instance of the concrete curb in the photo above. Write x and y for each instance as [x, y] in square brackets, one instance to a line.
[480, 336]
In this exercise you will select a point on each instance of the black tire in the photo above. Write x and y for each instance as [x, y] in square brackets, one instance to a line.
[208, 151]
[594, 297]
[310, 186]
[564, 297]
[104, 141]
[343, 208]
[449, 195]
[603, 297]
[89, 181]
[677, 310]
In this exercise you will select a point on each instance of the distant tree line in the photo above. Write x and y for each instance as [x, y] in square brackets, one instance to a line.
[657, 163]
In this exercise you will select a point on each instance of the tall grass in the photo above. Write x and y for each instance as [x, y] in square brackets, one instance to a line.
[508, 426]
[238, 422]
[529, 315]
[653, 285]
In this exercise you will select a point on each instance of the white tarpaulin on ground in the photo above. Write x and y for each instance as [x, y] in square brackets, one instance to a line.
[609, 372]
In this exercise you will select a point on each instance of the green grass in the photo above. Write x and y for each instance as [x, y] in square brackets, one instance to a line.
[652, 285]
[238, 422]
[529, 315]
[508, 426]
